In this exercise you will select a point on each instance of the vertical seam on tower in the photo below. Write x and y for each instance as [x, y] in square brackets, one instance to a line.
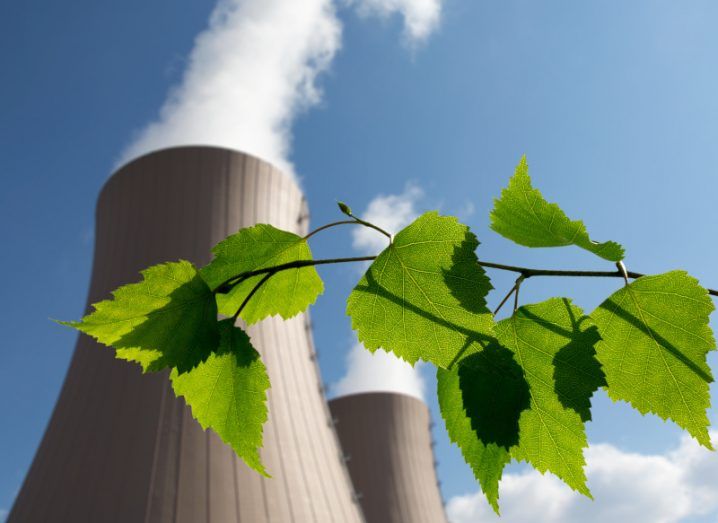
[179, 463]
[282, 213]
[265, 176]
[207, 474]
[255, 203]
[153, 473]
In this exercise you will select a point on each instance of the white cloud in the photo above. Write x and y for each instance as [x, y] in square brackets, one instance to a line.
[379, 371]
[421, 17]
[382, 371]
[250, 72]
[392, 213]
[627, 487]
[255, 68]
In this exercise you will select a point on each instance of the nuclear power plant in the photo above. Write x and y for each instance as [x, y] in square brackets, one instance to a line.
[120, 447]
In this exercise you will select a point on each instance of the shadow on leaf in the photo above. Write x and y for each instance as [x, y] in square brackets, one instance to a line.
[184, 330]
[577, 372]
[494, 393]
[466, 279]
[375, 288]
[659, 340]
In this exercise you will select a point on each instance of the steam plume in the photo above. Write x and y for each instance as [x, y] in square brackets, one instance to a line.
[256, 67]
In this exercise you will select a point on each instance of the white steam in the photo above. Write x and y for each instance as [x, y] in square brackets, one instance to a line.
[378, 372]
[250, 72]
[255, 68]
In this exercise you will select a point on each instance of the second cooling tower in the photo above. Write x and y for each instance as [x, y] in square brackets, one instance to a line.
[386, 439]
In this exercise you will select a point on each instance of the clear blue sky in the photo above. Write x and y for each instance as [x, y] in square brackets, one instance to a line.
[613, 102]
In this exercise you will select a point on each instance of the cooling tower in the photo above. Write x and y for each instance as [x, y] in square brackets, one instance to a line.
[386, 438]
[119, 446]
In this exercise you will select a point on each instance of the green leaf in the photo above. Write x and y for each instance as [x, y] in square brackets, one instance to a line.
[553, 342]
[481, 399]
[525, 217]
[286, 293]
[655, 341]
[423, 297]
[167, 320]
[228, 394]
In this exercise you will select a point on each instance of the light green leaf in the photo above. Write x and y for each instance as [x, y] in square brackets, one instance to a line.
[553, 342]
[481, 399]
[655, 341]
[167, 320]
[286, 293]
[423, 297]
[228, 394]
[525, 217]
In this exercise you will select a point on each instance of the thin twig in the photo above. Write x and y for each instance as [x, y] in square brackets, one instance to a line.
[297, 264]
[528, 273]
[506, 298]
[251, 293]
[372, 226]
[518, 288]
[329, 225]
[346, 210]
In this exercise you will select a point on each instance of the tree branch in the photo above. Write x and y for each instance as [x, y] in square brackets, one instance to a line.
[526, 272]
[298, 264]
[529, 272]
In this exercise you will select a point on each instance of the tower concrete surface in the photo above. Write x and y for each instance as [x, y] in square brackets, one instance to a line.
[119, 446]
[386, 438]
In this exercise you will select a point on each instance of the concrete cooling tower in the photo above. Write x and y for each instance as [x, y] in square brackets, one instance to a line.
[121, 448]
[386, 438]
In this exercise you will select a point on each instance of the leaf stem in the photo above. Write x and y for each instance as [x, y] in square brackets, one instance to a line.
[251, 293]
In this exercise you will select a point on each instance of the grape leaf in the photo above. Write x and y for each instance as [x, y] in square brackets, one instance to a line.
[553, 342]
[423, 297]
[286, 293]
[227, 393]
[167, 320]
[655, 341]
[525, 217]
[481, 399]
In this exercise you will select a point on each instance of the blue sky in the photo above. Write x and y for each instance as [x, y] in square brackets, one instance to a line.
[614, 104]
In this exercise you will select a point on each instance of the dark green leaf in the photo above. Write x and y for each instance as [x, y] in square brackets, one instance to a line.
[228, 394]
[481, 399]
[167, 320]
